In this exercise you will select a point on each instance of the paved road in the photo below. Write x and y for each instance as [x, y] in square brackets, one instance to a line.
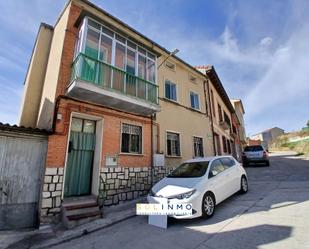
[273, 214]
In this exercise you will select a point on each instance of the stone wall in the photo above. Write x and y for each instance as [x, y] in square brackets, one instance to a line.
[51, 195]
[122, 184]
[119, 185]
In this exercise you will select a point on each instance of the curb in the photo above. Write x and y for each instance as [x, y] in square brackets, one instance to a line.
[86, 229]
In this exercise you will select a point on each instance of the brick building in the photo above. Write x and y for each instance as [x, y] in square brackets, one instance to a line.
[123, 111]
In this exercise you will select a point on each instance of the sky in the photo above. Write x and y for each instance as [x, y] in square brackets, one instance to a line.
[260, 49]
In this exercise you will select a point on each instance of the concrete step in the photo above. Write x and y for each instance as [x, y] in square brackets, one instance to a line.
[80, 216]
[80, 210]
[79, 202]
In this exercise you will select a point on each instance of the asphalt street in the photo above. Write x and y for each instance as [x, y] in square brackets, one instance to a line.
[273, 214]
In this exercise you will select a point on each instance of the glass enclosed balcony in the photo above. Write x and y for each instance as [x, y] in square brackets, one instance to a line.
[111, 70]
[99, 82]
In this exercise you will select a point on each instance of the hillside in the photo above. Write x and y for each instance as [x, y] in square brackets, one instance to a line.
[296, 141]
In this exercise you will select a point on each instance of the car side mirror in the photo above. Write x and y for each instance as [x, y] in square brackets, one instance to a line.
[213, 173]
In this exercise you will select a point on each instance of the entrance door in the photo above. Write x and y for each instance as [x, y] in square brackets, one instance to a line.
[78, 173]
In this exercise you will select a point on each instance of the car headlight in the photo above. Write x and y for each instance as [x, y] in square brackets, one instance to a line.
[185, 195]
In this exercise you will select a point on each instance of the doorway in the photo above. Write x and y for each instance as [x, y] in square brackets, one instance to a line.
[79, 169]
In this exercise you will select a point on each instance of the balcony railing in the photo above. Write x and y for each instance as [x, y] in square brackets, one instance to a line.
[108, 77]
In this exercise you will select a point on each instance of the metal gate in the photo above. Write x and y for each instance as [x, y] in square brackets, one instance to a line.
[22, 163]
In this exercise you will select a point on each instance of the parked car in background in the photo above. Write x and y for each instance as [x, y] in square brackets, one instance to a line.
[255, 154]
[203, 182]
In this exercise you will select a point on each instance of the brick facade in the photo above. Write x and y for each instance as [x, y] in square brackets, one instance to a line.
[132, 176]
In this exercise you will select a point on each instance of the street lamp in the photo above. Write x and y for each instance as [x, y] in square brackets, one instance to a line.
[175, 51]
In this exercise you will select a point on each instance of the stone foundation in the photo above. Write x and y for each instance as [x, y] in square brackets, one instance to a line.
[119, 185]
[51, 195]
[122, 184]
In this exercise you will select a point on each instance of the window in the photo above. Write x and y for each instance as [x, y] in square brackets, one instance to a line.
[224, 144]
[195, 169]
[253, 148]
[92, 43]
[220, 113]
[170, 90]
[194, 99]
[105, 45]
[83, 125]
[234, 129]
[173, 144]
[227, 119]
[212, 103]
[106, 49]
[228, 142]
[227, 162]
[216, 168]
[131, 139]
[198, 147]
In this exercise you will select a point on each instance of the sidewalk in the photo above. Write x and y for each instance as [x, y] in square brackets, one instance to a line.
[48, 236]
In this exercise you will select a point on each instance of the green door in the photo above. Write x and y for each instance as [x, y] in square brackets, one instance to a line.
[80, 158]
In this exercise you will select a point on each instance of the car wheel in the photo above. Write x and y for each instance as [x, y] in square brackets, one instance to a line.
[208, 205]
[267, 163]
[243, 185]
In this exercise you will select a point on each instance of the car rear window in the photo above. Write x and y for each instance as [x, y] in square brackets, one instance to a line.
[254, 148]
[193, 169]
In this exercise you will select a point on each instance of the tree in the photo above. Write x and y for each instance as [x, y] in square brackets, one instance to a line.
[308, 123]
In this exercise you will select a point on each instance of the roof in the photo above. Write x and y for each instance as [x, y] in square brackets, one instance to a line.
[269, 129]
[204, 67]
[22, 129]
[240, 102]
[213, 76]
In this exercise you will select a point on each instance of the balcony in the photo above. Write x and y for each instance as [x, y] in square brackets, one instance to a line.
[224, 125]
[101, 83]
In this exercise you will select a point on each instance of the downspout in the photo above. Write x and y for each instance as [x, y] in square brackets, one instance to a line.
[211, 119]
[55, 113]
[151, 147]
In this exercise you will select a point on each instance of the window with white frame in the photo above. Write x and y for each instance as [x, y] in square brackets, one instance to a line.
[131, 139]
[173, 144]
[103, 44]
[194, 99]
[198, 147]
[170, 90]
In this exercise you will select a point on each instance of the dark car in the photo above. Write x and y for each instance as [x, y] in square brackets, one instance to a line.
[255, 154]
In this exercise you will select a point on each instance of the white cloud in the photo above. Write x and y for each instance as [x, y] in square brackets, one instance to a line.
[266, 41]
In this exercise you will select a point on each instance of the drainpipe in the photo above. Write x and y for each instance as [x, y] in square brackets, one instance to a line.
[211, 117]
[151, 147]
[55, 113]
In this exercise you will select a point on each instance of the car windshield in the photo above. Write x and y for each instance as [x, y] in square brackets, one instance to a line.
[193, 169]
[254, 148]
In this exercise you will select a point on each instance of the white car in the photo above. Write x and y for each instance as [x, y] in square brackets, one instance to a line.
[203, 182]
[255, 154]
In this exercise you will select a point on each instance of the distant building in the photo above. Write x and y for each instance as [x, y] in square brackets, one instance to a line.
[268, 136]
[238, 126]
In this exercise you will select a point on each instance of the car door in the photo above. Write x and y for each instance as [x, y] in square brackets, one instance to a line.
[232, 175]
[217, 180]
